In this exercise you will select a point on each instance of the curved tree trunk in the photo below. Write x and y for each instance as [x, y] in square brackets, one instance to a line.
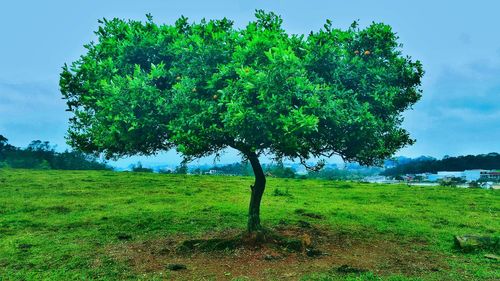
[257, 191]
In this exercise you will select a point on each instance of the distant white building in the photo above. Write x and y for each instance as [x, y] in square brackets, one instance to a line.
[375, 179]
[432, 177]
[448, 174]
[491, 175]
[486, 185]
[468, 175]
[444, 175]
[378, 179]
[473, 175]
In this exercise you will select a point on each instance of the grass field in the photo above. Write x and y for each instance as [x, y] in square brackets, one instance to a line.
[75, 225]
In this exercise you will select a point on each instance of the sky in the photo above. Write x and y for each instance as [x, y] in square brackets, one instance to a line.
[458, 43]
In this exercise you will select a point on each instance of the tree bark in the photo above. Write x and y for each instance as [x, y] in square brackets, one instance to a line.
[257, 191]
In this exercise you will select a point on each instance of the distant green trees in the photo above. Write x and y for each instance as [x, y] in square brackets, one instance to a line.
[239, 169]
[280, 171]
[139, 168]
[344, 174]
[182, 169]
[41, 155]
[4, 147]
[488, 161]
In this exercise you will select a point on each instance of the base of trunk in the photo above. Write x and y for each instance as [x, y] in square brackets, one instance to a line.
[256, 196]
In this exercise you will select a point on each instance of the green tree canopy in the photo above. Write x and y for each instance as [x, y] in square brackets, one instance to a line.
[203, 87]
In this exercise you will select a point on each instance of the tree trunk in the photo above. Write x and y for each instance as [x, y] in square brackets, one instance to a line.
[257, 191]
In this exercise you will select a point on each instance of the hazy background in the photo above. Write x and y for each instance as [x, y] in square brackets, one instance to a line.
[457, 41]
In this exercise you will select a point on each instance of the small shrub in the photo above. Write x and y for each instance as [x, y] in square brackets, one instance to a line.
[123, 236]
[305, 213]
[474, 184]
[451, 182]
[44, 165]
[279, 192]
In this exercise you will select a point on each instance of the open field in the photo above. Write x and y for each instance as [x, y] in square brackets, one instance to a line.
[69, 225]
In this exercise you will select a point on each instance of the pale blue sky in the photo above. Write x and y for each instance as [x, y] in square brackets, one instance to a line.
[457, 41]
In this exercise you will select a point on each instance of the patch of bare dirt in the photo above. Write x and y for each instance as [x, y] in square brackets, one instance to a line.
[286, 252]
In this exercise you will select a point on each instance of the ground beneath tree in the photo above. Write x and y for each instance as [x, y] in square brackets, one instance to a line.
[289, 252]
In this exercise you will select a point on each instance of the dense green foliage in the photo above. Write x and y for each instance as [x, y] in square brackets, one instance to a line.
[203, 87]
[488, 161]
[64, 225]
[41, 155]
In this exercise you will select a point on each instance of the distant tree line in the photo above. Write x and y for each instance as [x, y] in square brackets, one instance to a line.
[41, 155]
[245, 169]
[345, 174]
[490, 161]
[239, 169]
[182, 169]
[140, 169]
[278, 170]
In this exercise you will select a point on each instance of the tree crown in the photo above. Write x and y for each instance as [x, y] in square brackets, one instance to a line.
[203, 87]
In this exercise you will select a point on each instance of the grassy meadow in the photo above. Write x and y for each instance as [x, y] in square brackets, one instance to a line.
[101, 225]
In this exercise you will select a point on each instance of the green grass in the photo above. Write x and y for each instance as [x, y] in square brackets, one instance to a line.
[54, 225]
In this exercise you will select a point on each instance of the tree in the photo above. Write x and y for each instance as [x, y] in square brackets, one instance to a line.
[182, 169]
[202, 87]
[280, 171]
[140, 169]
[3, 141]
[4, 147]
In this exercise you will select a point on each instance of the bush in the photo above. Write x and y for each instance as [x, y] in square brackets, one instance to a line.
[279, 192]
[474, 184]
[44, 165]
[454, 181]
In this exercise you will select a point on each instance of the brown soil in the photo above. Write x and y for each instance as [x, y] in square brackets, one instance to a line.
[320, 250]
